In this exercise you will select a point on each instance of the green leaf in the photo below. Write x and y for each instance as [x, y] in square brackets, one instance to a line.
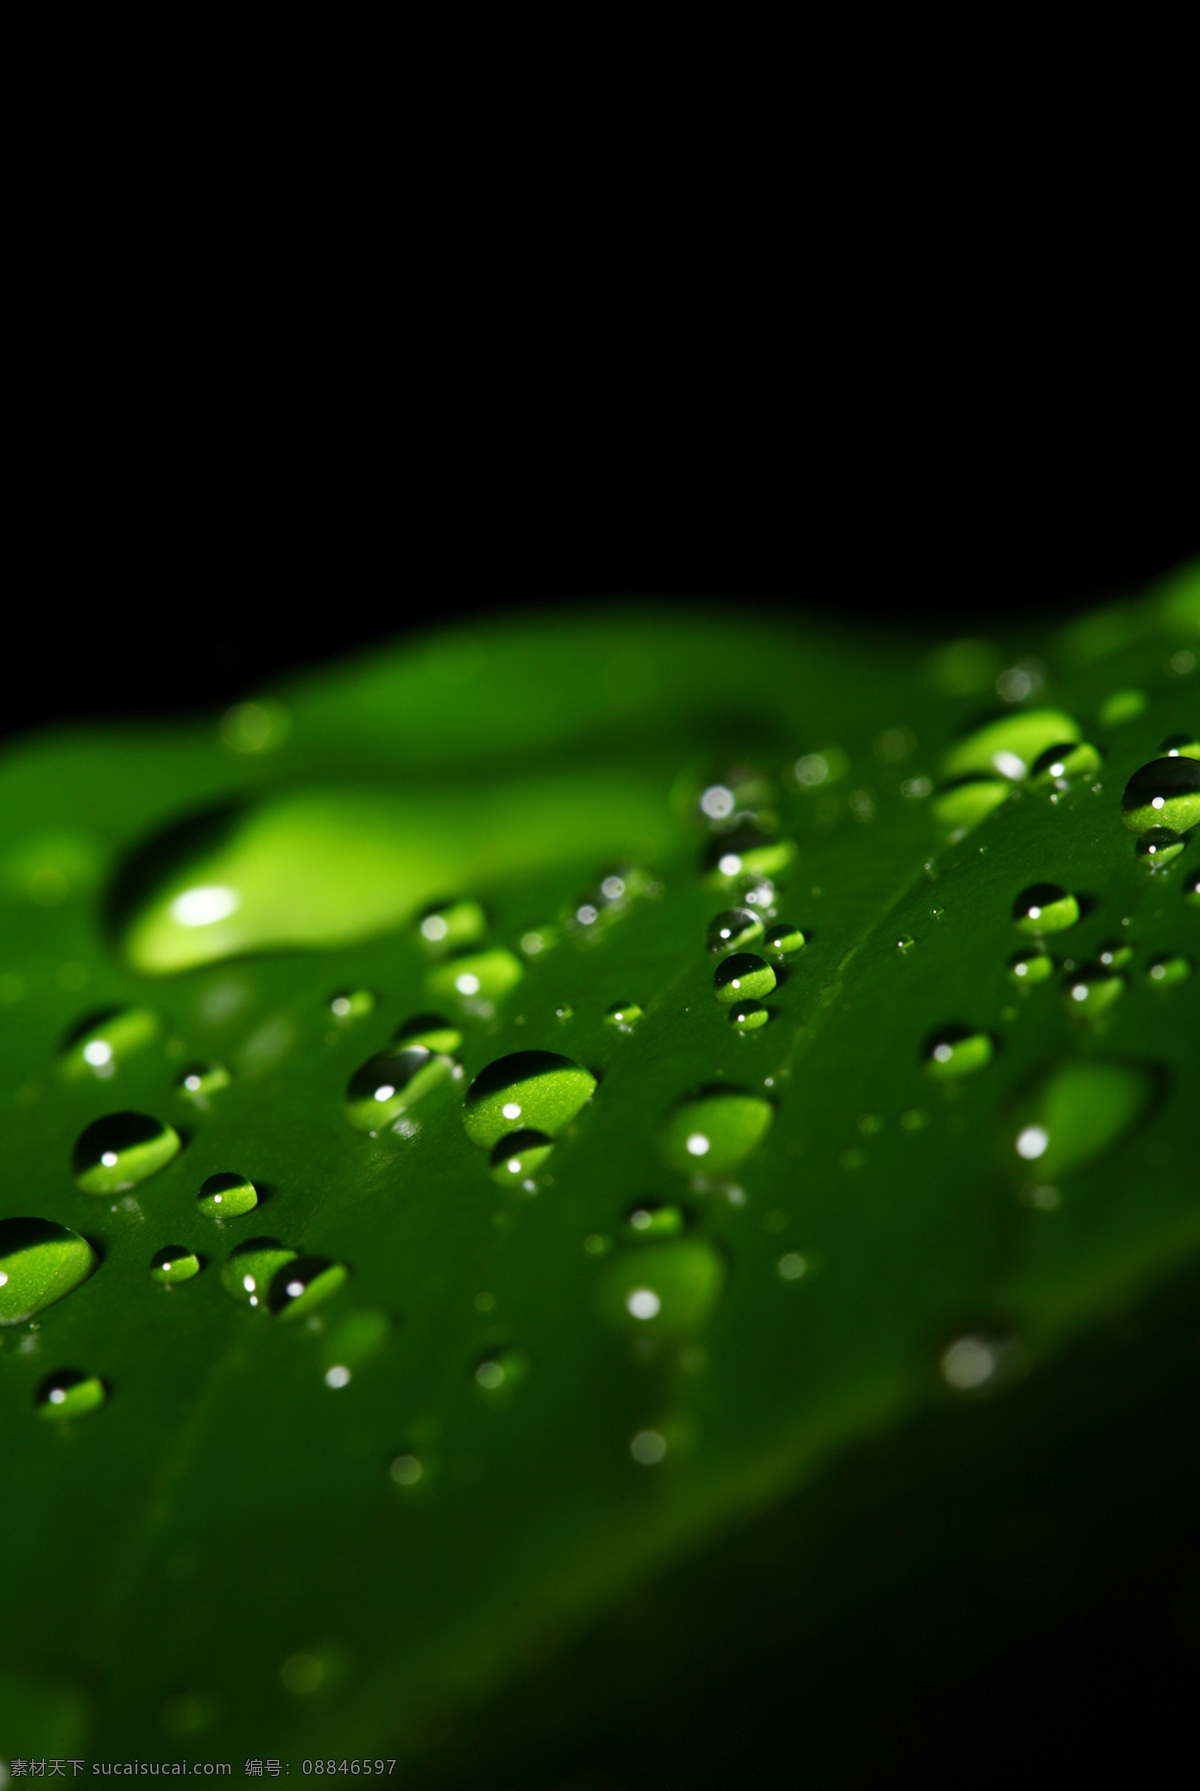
[466, 1409]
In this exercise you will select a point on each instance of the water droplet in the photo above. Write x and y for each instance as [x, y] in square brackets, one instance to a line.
[743, 977]
[1191, 889]
[905, 942]
[227, 1196]
[955, 1053]
[500, 1372]
[482, 976]
[792, 1266]
[717, 803]
[70, 1395]
[407, 1470]
[1045, 908]
[973, 1364]
[667, 1290]
[783, 940]
[388, 1084]
[1026, 968]
[624, 1015]
[1091, 993]
[1011, 744]
[1158, 847]
[121, 1150]
[597, 1243]
[649, 1220]
[538, 940]
[351, 1004]
[1122, 706]
[1180, 745]
[1164, 793]
[870, 1123]
[748, 1016]
[714, 1131]
[1166, 973]
[648, 1448]
[963, 805]
[261, 726]
[300, 1286]
[1116, 954]
[40, 1262]
[915, 1119]
[174, 1263]
[747, 851]
[102, 1043]
[540, 1088]
[430, 1032]
[248, 1273]
[452, 925]
[202, 1080]
[733, 930]
[517, 1157]
[353, 1341]
[1077, 1113]
[817, 768]
[1060, 763]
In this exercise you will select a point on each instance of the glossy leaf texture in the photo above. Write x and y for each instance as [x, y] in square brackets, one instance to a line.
[506, 1393]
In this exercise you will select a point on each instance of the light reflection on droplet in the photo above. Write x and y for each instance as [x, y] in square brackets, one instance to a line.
[643, 1302]
[697, 1144]
[337, 1376]
[648, 1448]
[1032, 1142]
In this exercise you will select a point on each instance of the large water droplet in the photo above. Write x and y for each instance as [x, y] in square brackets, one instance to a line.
[1059, 764]
[1167, 973]
[1029, 967]
[121, 1150]
[668, 1290]
[40, 1262]
[518, 1156]
[227, 1195]
[200, 1081]
[1164, 793]
[249, 1272]
[101, 1044]
[298, 1288]
[1011, 744]
[1045, 908]
[481, 976]
[783, 940]
[391, 1082]
[956, 1053]
[173, 1264]
[537, 1089]
[452, 925]
[1090, 993]
[733, 930]
[1158, 847]
[743, 977]
[1077, 1114]
[70, 1395]
[714, 1131]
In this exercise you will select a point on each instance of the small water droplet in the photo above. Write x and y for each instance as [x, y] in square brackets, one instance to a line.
[783, 940]
[957, 1052]
[174, 1263]
[733, 930]
[714, 1131]
[853, 1158]
[1012, 743]
[648, 1448]
[973, 1364]
[70, 1395]
[666, 1290]
[500, 1372]
[391, 1082]
[299, 1287]
[743, 977]
[964, 804]
[1045, 908]
[200, 1081]
[624, 1015]
[817, 768]
[227, 1195]
[260, 726]
[407, 1470]
[1092, 992]
[870, 1123]
[1077, 1113]
[1060, 764]
[248, 1273]
[1158, 847]
[517, 1157]
[1116, 954]
[100, 1044]
[598, 1243]
[1191, 889]
[1167, 973]
[1180, 745]
[747, 851]
[650, 1220]
[450, 926]
[477, 977]
[748, 1016]
[547, 1090]
[430, 1032]
[1164, 793]
[1121, 706]
[792, 1266]
[914, 1119]
[905, 942]
[121, 1150]
[351, 1004]
[40, 1262]
[1026, 968]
